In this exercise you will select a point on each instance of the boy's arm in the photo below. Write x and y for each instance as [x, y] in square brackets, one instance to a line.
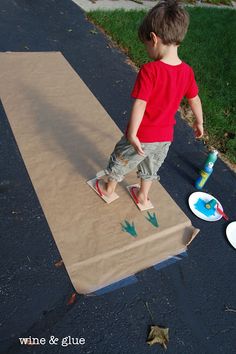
[136, 117]
[196, 107]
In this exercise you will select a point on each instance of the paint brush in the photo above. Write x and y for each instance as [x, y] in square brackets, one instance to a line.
[221, 212]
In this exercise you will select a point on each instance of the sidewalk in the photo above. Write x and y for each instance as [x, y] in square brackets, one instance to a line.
[88, 5]
[189, 297]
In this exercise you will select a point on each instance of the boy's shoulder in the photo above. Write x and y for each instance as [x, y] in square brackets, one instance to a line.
[149, 69]
[155, 65]
[149, 66]
[187, 66]
[155, 70]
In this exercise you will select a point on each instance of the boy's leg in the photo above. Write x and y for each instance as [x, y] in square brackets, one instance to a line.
[142, 194]
[147, 169]
[123, 159]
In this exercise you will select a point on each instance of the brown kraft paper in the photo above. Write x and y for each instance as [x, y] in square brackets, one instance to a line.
[65, 137]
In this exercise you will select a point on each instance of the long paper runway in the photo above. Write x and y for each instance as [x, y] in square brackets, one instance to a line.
[65, 136]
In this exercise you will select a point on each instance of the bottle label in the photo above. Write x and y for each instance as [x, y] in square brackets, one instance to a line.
[203, 178]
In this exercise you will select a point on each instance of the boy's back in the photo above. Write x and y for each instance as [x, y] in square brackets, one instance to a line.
[162, 86]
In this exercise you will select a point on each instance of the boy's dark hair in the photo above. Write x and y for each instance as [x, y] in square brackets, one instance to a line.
[168, 20]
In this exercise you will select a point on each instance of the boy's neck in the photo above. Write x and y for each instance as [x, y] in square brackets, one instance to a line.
[169, 55]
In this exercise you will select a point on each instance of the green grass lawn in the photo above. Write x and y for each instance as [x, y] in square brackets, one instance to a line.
[209, 47]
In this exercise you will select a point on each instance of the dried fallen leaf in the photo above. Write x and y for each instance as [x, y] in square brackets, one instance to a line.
[229, 309]
[72, 299]
[93, 31]
[226, 112]
[158, 335]
[59, 263]
[138, 1]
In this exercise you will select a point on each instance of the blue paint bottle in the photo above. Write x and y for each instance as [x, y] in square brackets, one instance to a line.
[207, 169]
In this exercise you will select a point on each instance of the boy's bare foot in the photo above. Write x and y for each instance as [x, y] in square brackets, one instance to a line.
[103, 188]
[144, 201]
[140, 199]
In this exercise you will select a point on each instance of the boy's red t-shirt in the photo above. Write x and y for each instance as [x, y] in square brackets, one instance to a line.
[162, 86]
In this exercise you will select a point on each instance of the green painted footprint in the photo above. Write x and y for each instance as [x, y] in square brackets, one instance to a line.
[152, 219]
[130, 228]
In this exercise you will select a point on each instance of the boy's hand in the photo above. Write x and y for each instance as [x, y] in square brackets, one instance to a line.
[198, 129]
[134, 140]
[196, 107]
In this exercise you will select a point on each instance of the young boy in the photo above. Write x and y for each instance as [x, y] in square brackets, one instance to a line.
[158, 91]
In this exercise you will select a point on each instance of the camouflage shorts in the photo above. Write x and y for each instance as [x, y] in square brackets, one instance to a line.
[124, 159]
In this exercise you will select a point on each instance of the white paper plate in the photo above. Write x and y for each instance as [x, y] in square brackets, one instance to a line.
[206, 197]
[231, 233]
